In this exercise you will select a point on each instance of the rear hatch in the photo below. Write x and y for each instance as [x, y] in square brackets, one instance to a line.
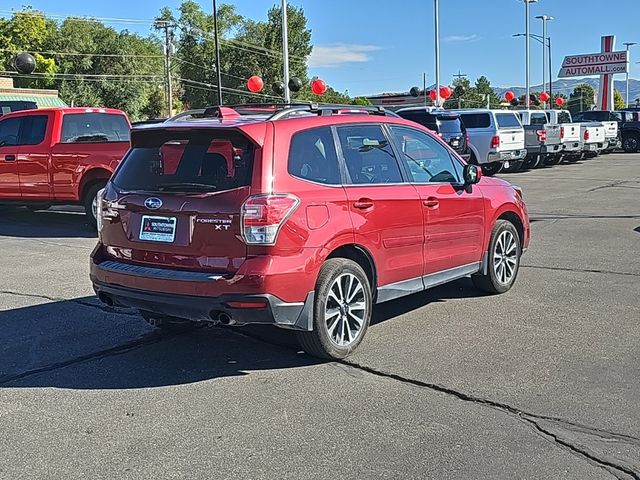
[450, 128]
[510, 132]
[178, 200]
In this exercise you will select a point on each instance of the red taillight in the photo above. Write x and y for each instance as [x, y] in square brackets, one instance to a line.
[561, 133]
[586, 135]
[263, 215]
[495, 141]
[542, 135]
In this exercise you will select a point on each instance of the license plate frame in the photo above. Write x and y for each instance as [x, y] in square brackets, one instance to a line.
[155, 228]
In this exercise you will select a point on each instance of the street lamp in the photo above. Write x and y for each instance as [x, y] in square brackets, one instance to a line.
[436, 20]
[545, 19]
[526, 22]
[539, 38]
[626, 96]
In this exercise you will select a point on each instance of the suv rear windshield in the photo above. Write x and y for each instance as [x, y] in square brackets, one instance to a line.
[194, 161]
[438, 123]
[94, 127]
[507, 120]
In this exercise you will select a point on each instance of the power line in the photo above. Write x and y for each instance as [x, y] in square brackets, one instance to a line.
[87, 75]
[78, 54]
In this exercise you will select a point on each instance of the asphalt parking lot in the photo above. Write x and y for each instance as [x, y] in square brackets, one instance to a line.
[542, 382]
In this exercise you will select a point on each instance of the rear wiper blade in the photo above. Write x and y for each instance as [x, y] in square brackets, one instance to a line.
[178, 186]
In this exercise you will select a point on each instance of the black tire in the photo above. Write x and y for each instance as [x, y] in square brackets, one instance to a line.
[490, 282]
[88, 202]
[631, 143]
[167, 324]
[319, 341]
[490, 169]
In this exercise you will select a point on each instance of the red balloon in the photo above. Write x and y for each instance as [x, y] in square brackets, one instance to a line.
[319, 87]
[255, 84]
[432, 95]
[544, 96]
[509, 95]
[445, 92]
[559, 101]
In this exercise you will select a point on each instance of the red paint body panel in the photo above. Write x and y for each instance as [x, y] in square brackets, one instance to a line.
[401, 230]
[53, 171]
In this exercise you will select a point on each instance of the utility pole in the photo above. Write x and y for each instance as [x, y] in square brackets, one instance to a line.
[626, 95]
[424, 87]
[285, 53]
[527, 100]
[168, 34]
[545, 19]
[218, 70]
[436, 14]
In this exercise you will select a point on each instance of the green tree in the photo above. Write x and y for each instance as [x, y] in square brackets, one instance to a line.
[618, 100]
[483, 88]
[581, 98]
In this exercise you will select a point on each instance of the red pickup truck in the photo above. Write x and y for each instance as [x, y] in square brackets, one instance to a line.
[60, 155]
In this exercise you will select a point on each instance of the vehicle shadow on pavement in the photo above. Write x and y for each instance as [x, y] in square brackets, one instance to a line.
[56, 223]
[81, 344]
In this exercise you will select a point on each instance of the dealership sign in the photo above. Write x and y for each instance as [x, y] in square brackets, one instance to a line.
[594, 64]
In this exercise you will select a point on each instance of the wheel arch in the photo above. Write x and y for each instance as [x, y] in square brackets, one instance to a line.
[362, 257]
[90, 178]
[514, 218]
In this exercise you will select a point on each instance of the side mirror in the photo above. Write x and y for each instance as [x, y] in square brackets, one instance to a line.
[471, 174]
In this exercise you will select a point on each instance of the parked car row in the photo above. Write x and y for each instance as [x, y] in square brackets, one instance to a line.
[505, 140]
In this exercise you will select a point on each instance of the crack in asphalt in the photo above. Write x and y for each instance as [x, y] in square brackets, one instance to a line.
[619, 470]
[97, 306]
[582, 270]
[611, 185]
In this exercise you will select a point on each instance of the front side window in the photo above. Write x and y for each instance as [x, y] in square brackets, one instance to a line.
[9, 129]
[312, 156]
[94, 127]
[195, 161]
[368, 155]
[427, 160]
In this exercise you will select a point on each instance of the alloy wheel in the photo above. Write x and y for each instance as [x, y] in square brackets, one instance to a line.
[505, 257]
[345, 310]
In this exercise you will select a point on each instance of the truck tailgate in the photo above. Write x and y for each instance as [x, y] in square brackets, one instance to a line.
[570, 132]
[610, 129]
[511, 139]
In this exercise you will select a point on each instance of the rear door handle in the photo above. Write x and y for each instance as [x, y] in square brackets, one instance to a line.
[363, 204]
[431, 202]
[10, 158]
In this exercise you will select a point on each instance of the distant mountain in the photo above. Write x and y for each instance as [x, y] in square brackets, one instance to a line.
[566, 86]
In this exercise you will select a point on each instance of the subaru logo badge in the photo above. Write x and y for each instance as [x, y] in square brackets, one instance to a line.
[153, 203]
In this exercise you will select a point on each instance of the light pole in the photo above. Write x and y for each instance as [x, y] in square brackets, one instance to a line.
[215, 36]
[545, 19]
[436, 20]
[626, 95]
[548, 44]
[526, 22]
[285, 53]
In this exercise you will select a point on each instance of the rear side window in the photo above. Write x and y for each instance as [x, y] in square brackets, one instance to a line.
[476, 120]
[94, 127]
[564, 117]
[509, 120]
[9, 129]
[34, 129]
[312, 156]
[368, 155]
[195, 161]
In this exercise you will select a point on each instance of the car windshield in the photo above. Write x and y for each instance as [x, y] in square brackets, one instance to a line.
[186, 162]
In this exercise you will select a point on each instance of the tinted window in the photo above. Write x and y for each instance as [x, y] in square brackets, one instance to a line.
[368, 155]
[451, 125]
[564, 117]
[476, 120]
[312, 156]
[536, 119]
[508, 120]
[94, 127]
[9, 129]
[34, 129]
[423, 118]
[194, 161]
[427, 160]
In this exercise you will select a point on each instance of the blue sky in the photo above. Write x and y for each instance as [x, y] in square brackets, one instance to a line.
[373, 46]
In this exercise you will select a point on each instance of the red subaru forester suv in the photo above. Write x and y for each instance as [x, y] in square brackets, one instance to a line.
[299, 216]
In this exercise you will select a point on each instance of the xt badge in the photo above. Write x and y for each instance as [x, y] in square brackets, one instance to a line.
[218, 223]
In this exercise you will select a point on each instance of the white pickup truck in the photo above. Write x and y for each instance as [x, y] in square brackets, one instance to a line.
[570, 134]
[610, 123]
[496, 138]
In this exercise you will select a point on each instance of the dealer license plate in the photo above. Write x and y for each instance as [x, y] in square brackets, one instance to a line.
[158, 229]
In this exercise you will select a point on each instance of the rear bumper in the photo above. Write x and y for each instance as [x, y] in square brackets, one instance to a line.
[272, 311]
[571, 147]
[509, 155]
[592, 147]
[551, 149]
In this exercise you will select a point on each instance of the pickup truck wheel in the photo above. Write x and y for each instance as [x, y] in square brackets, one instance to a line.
[503, 259]
[90, 204]
[342, 310]
[631, 143]
[490, 169]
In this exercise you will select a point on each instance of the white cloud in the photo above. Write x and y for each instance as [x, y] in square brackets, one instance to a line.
[463, 38]
[339, 54]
